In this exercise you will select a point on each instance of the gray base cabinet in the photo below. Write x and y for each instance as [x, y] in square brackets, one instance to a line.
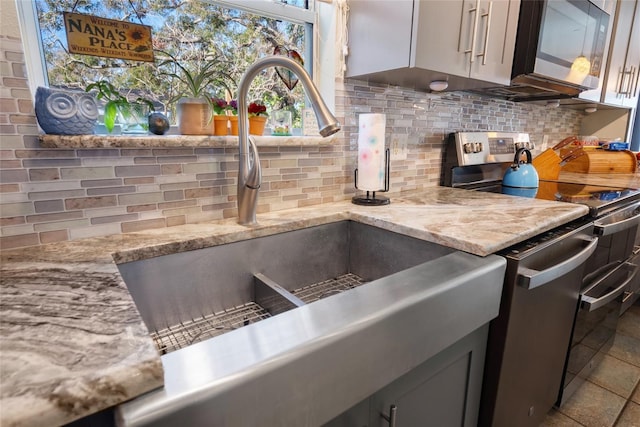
[443, 391]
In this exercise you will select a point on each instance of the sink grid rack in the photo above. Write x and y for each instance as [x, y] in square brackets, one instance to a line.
[190, 332]
[324, 289]
[202, 328]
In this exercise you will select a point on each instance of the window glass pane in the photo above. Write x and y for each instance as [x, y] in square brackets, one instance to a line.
[297, 3]
[195, 33]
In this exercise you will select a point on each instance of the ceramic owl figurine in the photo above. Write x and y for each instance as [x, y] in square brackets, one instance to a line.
[64, 112]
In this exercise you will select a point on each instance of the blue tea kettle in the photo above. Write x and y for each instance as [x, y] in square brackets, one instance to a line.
[520, 179]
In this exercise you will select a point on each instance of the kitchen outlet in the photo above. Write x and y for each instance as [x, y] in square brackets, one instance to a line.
[398, 147]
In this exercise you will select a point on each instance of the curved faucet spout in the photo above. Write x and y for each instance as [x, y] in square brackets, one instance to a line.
[249, 170]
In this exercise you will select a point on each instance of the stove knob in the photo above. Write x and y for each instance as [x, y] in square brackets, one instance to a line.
[473, 147]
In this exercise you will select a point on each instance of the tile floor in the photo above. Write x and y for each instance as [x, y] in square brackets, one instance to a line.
[611, 395]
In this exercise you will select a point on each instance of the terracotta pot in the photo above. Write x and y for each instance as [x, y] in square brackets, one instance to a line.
[257, 124]
[234, 124]
[193, 117]
[219, 125]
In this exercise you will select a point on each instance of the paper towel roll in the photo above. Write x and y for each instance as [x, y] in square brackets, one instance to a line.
[371, 155]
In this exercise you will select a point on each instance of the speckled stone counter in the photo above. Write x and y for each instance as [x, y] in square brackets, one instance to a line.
[72, 341]
[179, 141]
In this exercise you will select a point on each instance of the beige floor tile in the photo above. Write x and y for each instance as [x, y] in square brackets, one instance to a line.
[593, 406]
[629, 323]
[599, 402]
[635, 309]
[626, 348]
[558, 419]
[616, 376]
[630, 416]
[636, 395]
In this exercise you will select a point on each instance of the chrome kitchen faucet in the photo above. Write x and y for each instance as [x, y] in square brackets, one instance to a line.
[249, 170]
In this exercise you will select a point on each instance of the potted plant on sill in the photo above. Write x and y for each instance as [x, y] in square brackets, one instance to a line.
[232, 107]
[220, 118]
[133, 115]
[195, 106]
[257, 117]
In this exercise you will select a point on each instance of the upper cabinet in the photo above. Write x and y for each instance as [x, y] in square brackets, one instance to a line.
[413, 42]
[621, 78]
[472, 39]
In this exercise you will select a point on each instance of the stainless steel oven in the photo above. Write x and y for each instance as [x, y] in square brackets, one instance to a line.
[608, 276]
[538, 353]
[596, 322]
[632, 294]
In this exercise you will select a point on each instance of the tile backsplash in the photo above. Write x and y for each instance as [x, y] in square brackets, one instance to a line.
[56, 194]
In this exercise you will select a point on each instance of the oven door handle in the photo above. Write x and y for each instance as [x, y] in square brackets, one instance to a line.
[591, 304]
[530, 279]
[608, 229]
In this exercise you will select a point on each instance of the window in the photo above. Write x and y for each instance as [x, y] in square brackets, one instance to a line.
[231, 33]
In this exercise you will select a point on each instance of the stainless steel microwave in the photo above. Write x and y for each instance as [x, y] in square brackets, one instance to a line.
[560, 49]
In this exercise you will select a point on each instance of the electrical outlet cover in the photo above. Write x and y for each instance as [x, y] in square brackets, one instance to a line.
[398, 147]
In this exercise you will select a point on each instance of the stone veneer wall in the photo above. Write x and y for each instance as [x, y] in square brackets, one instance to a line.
[52, 195]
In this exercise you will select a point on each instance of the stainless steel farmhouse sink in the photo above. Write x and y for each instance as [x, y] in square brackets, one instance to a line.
[191, 296]
[280, 324]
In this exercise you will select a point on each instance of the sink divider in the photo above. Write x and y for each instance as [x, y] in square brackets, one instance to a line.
[273, 297]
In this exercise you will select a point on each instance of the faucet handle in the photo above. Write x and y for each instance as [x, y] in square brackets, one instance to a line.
[254, 172]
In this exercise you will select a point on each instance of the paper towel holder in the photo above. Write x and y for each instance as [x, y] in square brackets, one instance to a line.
[370, 199]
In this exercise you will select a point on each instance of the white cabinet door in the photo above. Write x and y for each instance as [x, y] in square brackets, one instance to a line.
[619, 78]
[466, 38]
[495, 40]
[443, 32]
[632, 63]
[463, 38]
[379, 35]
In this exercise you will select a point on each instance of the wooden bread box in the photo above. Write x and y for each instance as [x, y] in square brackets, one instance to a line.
[603, 161]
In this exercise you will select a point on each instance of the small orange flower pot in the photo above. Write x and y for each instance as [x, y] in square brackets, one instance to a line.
[234, 124]
[257, 124]
[220, 125]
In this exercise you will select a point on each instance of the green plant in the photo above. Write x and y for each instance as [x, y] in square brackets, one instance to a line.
[196, 81]
[115, 102]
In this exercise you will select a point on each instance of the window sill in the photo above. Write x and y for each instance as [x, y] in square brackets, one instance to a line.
[169, 141]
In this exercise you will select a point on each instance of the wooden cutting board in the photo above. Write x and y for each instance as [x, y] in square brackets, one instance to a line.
[603, 161]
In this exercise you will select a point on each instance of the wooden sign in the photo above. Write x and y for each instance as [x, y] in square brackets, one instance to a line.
[92, 35]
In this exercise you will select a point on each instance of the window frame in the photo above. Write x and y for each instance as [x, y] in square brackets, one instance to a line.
[317, 39]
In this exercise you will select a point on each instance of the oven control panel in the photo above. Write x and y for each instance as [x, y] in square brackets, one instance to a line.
[475, 148]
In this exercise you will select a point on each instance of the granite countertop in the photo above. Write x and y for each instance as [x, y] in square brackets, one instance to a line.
[73, 343]
[173, 141]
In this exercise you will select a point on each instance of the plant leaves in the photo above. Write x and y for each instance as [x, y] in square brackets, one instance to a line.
[110, 111]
